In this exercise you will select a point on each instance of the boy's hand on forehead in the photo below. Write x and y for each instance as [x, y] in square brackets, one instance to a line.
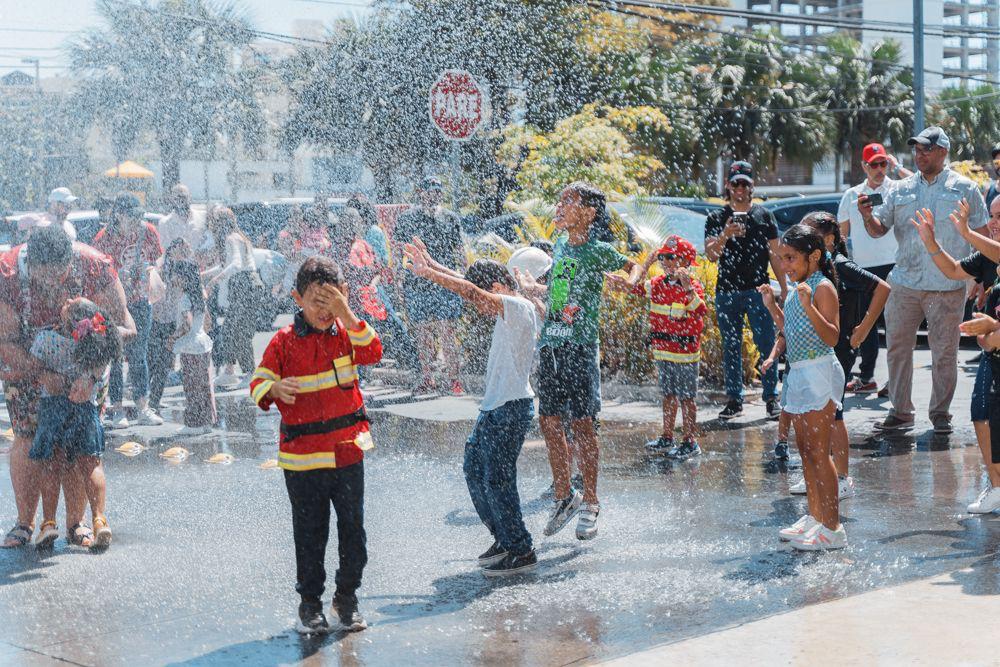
[332, 297]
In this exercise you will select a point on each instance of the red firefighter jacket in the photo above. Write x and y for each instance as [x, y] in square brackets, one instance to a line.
[676, 319]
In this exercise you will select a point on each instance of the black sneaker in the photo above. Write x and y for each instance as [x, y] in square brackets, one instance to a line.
[492, 555]
[661, 444]
[773, 409]
[346, 612]
[512, 564]
[311, 619]
[687, 449]
[781, 451]
[734, 408]
[893, 423]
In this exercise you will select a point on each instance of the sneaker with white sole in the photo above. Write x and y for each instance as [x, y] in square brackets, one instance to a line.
[492, 555]
[799, 488]
[147, 417]
[988, 501]
[117, 419]
[821, 538]
[586, 526]
[562, 511]
[797, 529]
[226, 380]
[845, 487]
[511, 564]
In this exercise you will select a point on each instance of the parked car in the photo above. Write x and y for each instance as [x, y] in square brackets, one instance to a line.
[87, 224]
[651, 221]
[789, 211]
[262, 220]
[690, 203]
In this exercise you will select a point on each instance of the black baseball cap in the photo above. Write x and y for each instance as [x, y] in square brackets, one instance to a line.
[740, 171]
[128, 204]
[931, 136]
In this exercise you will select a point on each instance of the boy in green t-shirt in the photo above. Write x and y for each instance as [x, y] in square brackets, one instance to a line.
[569, 376]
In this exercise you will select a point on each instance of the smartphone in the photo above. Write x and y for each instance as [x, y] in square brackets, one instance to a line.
[740, 217]
[875, 199]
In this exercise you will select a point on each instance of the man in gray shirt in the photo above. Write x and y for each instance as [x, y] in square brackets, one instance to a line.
[919, 291]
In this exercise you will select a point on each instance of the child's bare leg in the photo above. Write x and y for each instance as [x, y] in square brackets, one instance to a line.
[669, 415]
[91, 474]
[586, 440]
[784, 426]
[840, 445]
[555, 443]
[75, 492]
[47, 474]
[983, 438]
[689, 417]
[813, 430]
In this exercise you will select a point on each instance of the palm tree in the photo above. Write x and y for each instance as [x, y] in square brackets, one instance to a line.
[971, 117]
[169, 69]
[856, 80]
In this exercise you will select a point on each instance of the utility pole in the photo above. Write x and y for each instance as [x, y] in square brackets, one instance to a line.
[40, 175]
[918, 65]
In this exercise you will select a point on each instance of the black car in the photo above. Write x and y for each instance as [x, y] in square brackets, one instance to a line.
[262, 220]
[789, 211]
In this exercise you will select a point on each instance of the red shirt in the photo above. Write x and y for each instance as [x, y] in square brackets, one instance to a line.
[676, 319]
[130, 261]
[325, 364]
[91, 276]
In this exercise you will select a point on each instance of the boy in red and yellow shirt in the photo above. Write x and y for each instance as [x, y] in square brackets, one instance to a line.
[676, 320]
[309, 371]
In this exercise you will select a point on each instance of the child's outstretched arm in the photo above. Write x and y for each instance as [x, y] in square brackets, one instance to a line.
[984, 328]
[422, 265]
[772, 359]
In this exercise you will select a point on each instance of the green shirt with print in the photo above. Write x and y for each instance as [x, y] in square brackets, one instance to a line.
[575, 287]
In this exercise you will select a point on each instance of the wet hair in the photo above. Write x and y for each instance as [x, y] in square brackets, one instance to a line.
[317, 270]
[94, 349]
[186, 272]
[484, 272]
[806, 239]
[592, 197]
[826, 223]
[50, 246]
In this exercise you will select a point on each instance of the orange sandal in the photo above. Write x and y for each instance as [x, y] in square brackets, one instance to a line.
[47, 535]
[102, 539]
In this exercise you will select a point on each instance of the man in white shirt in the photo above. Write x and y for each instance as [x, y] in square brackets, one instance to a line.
[875, 255]
[60, 203]
[187, 223]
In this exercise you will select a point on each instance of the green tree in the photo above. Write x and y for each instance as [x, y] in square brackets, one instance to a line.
[971, 117]
[168, 68]
[857, 80]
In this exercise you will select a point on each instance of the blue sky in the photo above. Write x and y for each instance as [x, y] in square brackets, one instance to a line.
[39, 28]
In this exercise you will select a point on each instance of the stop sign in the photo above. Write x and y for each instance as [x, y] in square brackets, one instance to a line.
[457, 104]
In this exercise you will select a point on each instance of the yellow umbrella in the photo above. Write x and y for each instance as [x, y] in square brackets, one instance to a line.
[129, 169]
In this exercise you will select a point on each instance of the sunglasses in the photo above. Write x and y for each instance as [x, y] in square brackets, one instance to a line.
[666, 258]
[919, 148]
[878, 165]
[738, 184]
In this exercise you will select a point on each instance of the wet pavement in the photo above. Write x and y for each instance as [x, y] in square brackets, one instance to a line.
[201, 571]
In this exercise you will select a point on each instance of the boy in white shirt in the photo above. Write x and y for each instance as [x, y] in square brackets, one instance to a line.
[507, 409]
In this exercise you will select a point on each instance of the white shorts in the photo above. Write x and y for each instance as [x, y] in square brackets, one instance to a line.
[811, 384]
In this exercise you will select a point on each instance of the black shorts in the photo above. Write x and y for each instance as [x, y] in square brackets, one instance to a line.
[569, 381]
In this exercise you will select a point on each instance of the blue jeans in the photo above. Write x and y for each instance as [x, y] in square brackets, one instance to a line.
[491, 472]
[136, 352]
[730, 308]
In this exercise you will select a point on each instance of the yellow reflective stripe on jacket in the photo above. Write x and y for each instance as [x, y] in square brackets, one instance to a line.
[361, 338]
[695, 304]
[328, 379]
[677, 357]
[260, 391]
[674, 310]
[262, 373]
[313, 461]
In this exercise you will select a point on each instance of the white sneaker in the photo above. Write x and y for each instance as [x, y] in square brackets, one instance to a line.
[821, 538]
[988, 501]
[188, 431]
[586, 527]
[845, 487]
[799, 488]
[797, 529]
[226, 380]
[118, 419]
[149, 418]
[562, 511]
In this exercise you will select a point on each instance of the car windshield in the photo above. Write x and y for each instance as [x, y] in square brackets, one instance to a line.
[652, 222]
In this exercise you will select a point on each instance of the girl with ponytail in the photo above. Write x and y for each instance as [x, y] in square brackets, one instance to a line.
[856, 288]
[811, 393]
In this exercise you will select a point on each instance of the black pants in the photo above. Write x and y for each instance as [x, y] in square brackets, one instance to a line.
[240, 323]
[311, 493]
[869, 346]
[161, 359]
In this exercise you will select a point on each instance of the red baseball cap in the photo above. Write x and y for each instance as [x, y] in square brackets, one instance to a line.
[872, 151]
[680, 246]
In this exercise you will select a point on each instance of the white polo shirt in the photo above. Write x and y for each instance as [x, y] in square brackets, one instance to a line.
[865, 250]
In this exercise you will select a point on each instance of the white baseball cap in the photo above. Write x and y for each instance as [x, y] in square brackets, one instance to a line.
[533, 261]
[62, 196]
